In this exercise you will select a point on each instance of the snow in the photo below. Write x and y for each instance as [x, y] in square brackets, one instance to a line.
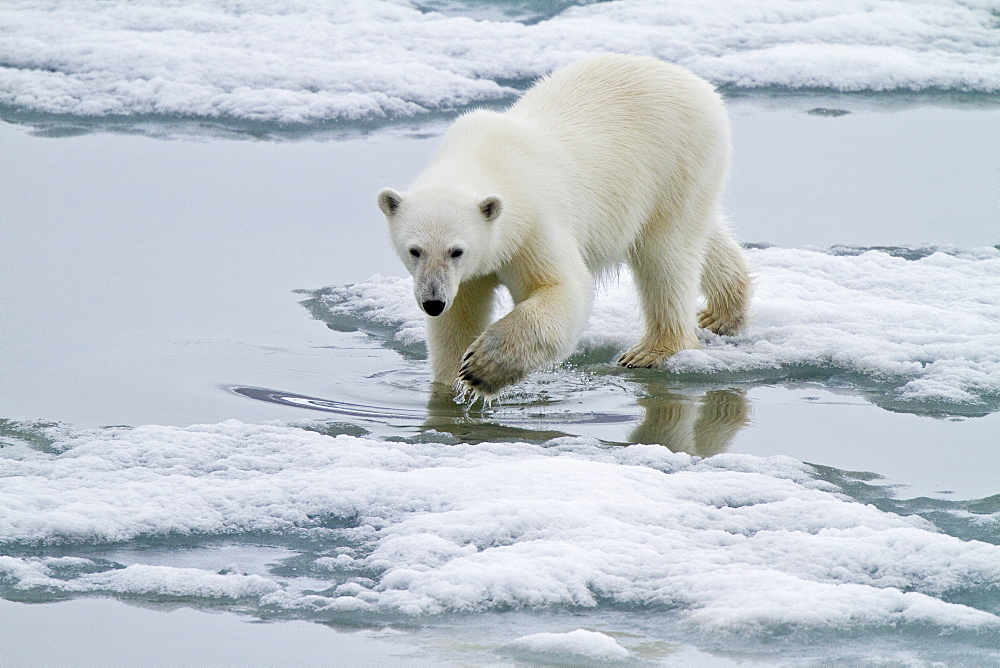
[925, 330]
[295, 61]
[729, 544]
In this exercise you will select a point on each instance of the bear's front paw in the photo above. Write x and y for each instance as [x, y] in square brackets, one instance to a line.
[487, 368]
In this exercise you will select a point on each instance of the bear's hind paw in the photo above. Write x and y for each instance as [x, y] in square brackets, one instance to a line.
[719, 324]
[652, 355]
[641, 358]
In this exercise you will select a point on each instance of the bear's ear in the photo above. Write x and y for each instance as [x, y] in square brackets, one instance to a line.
[389, 201]
[490, 208]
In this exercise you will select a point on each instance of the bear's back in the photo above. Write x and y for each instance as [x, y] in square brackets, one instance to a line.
[635, 135]
[626, 93]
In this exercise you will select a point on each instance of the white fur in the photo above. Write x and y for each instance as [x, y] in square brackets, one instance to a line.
[613, 159]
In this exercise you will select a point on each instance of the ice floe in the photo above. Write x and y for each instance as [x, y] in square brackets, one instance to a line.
[925, 332]
[728, 544]
[293, 62]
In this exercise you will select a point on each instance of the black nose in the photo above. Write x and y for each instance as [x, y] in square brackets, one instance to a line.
[433, 307]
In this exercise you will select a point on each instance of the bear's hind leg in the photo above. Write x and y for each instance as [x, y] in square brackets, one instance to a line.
[726, 284]
[666, 263]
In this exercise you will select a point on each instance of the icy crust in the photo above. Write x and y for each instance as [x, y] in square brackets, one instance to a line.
[733, 543]
[291, 61]
[924, 332]
[50, 574]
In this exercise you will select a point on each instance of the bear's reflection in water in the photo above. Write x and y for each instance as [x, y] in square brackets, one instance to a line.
[698, 424]
[702, 425]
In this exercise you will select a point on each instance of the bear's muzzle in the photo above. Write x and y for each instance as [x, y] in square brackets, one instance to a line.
[433, 307]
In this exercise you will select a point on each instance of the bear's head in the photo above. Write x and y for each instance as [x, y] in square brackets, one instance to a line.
[441, 235]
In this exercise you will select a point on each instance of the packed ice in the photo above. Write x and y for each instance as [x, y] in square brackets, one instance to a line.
[293, 61]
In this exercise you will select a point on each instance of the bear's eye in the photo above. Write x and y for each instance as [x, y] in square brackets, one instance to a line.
[457, 252]
[415, 252]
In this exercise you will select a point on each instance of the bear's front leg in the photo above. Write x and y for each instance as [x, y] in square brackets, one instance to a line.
[542, 328]
[450, 334]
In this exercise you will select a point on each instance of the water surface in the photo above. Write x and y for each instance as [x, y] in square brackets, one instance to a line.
[217, 422]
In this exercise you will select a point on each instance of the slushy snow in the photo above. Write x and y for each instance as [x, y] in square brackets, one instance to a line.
[295, 61]
[925, 331]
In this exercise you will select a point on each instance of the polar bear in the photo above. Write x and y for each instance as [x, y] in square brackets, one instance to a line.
[614, 159]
